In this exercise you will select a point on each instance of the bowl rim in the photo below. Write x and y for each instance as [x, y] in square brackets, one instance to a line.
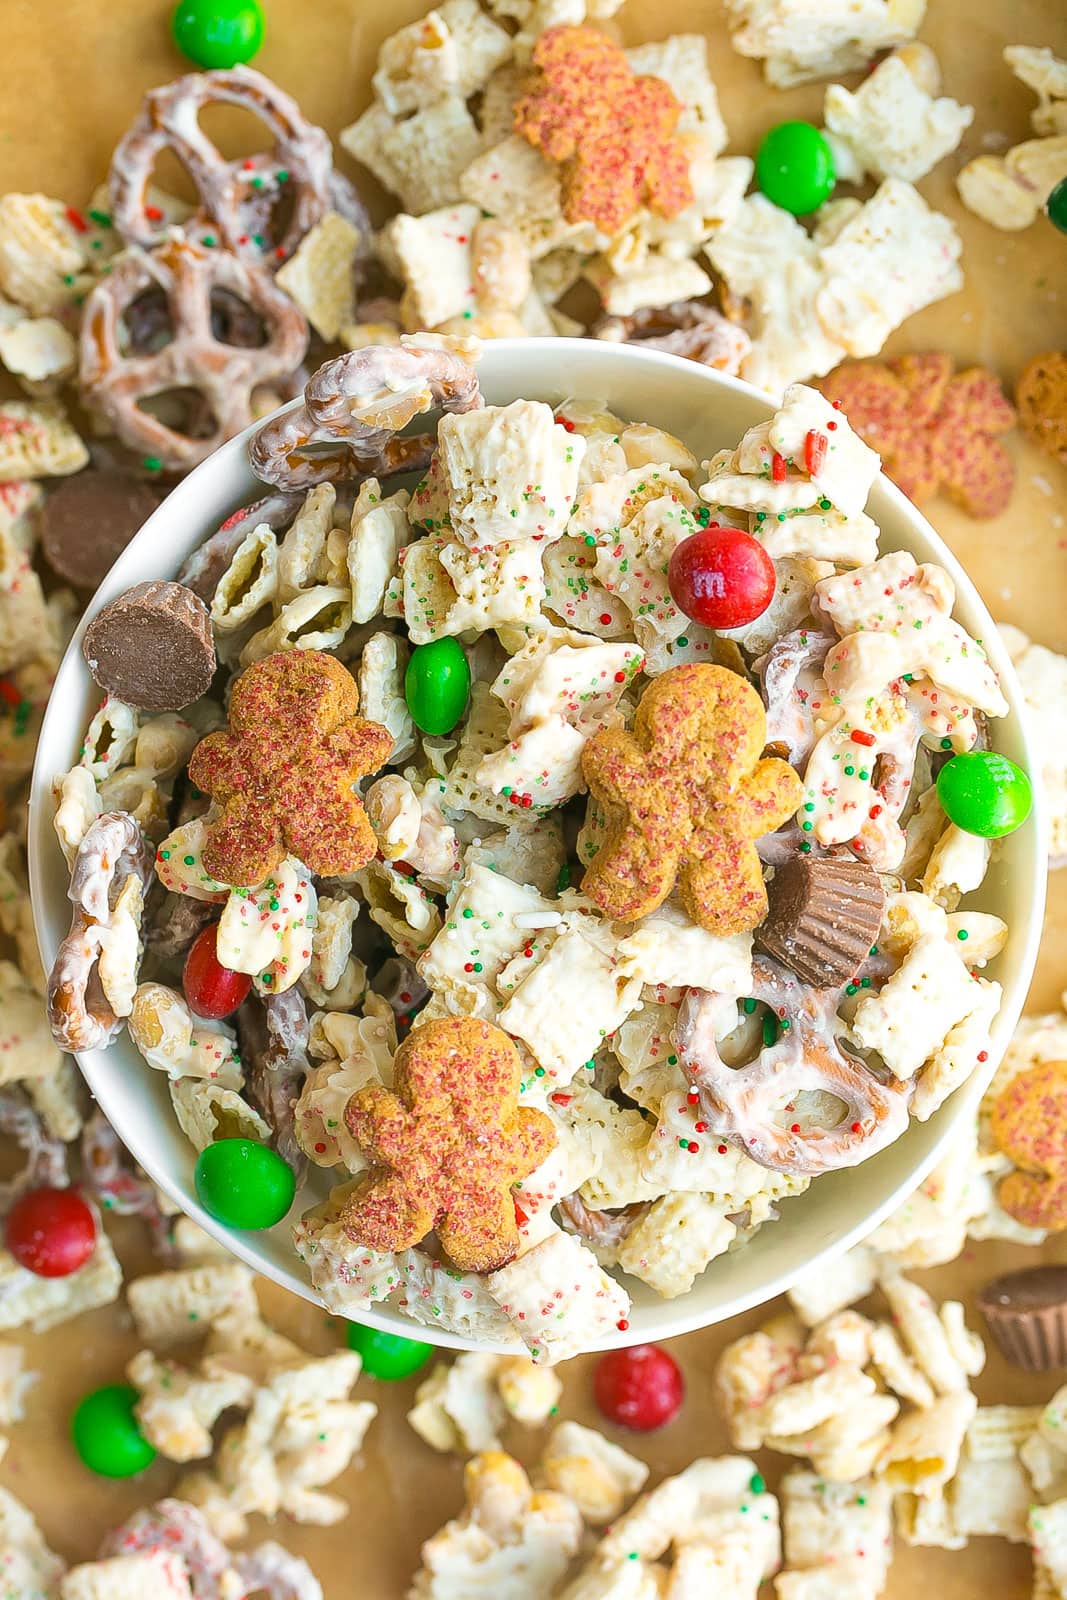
[666, 1318]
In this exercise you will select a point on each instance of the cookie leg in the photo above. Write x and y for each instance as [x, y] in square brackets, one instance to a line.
[384, 1214]
[481, 1235]
[722, 888]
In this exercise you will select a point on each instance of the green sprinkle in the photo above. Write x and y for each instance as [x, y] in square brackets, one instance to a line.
[101, 219]
[209, 240]
[164, 855]
[152, 464]
[946, 744]
[748, 1007]
[477, 966]
[849, 771]
[468, 912]
[756, 1484]
[770, 1030]
[190, 861]
[962, 934]
[273, 904]
[825, 505]
[539, 1072]
[850, 988]
[282, 177]
[682, 642]
[807, 826]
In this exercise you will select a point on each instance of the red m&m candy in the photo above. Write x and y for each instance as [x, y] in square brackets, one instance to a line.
[721, 577]
[211, 989]
[51, 1232]
[640, 1388]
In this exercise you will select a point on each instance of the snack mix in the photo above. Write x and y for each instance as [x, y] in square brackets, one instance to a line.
[542, 845]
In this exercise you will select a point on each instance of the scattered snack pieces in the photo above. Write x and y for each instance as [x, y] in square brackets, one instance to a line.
[1041, 395]
[38, 441]
[1010, 191]
[694, 719]
[810, 300]
[1026, 1312]
[152, 647]
[517, 1539]
[935, 431]
[819, 38]
[294, 735]
[612, 130]
[461, 1406]
[893, 126]
[1027, 1122]
[431, 1162]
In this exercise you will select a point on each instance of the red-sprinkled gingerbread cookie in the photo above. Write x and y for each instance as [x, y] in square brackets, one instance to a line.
[934, 431]
[1029, 1123]
[284, 775]
[445, 1146]
[613, 131]
[685, 795]
[1041, 396]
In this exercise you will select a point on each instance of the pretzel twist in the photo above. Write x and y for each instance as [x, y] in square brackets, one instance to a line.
[114, 850]
[236, 197]
[116, 381]
[740, 1103]
[354, 408]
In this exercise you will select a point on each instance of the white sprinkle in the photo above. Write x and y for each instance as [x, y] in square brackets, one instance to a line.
[1043, 484]
[538, 919]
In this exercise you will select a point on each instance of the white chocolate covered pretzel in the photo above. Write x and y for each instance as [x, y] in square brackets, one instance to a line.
[225, 375]
[740, 1104]
[237, 197]
[91, 983]
[354, 408]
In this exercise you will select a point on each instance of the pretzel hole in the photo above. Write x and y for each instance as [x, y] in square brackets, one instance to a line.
[233, 322]
[812, 1109]
[237, 132]
[148, 323]
[183, 410]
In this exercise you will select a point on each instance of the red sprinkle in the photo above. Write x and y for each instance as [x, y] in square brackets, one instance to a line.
[778, 468]
[620, 677]
[622, 1324]
[722, 1149]
[861, 736]
[795, 1128]
[700, 1127]
[874, 813]
[815, 448]
[320, 1149]
[605, 619]
[9, 692]
[983, 1055]
[153, 213]
[857, 1127]
[76, 220]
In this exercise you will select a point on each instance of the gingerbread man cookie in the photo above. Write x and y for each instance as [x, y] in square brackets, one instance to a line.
[1029, 1123]
[614, 131]
[685, 795]
[933, 431]
[445, 1146]
[284, 775]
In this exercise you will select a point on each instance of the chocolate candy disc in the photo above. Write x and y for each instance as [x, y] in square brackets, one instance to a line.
[1026, 1312]
[89, 520]
[152, 647]
[824, 916]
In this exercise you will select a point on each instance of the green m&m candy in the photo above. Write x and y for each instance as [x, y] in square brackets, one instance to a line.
[983, 792]
[437, 685]
[387, 1355]
[795, 167]
[217, 33]
[106, 1435]
[1056, 206]
[244, 1184]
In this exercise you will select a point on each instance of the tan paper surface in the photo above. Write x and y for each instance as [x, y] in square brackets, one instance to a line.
[72, 76]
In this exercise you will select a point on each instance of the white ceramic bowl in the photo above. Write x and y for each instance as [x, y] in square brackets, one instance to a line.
[708, 411]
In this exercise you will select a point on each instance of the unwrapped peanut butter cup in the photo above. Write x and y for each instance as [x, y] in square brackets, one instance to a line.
[1026, 1312]
[824, 915]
